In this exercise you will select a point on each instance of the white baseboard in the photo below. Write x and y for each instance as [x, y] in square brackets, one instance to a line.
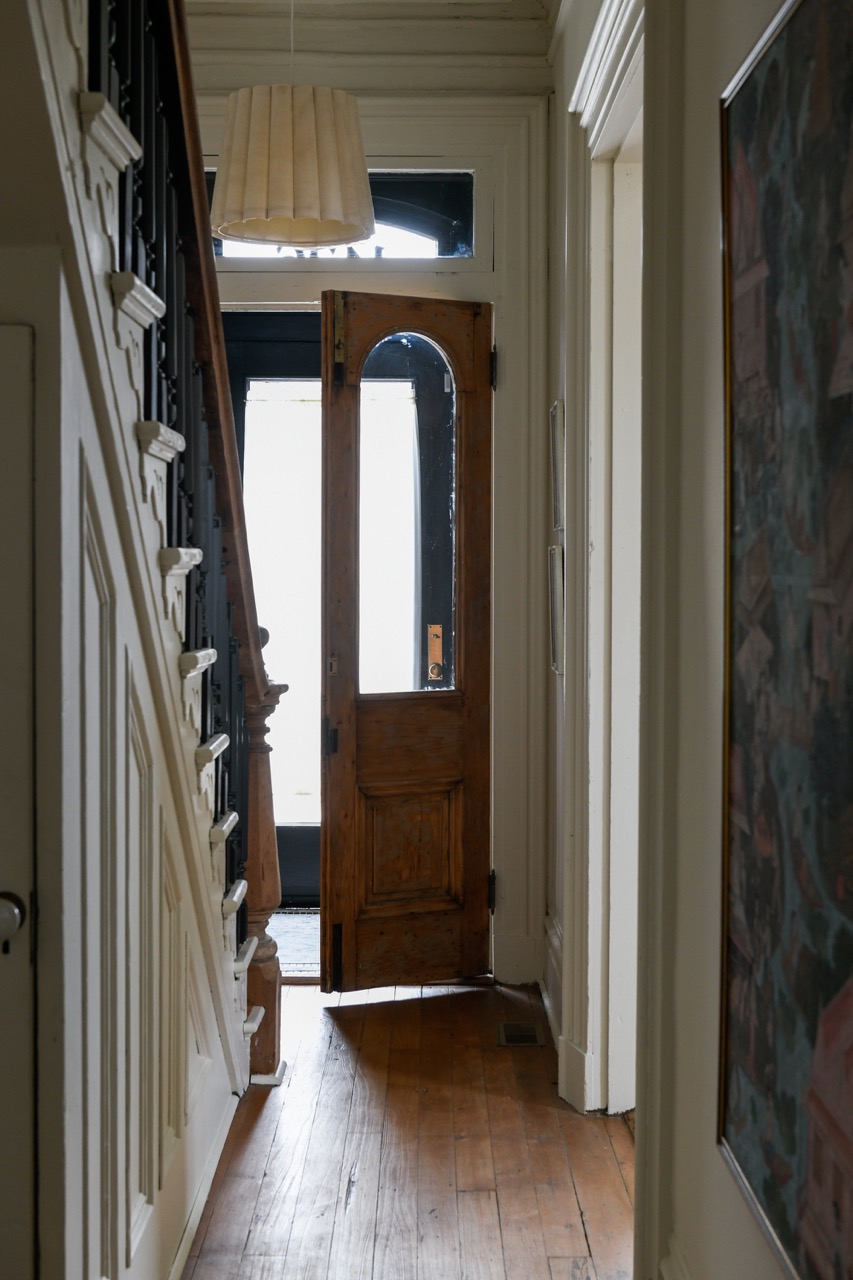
[273, 1078]
[674, 1266]
[579, 1081]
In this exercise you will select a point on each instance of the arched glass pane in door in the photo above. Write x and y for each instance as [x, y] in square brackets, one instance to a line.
[407, 518]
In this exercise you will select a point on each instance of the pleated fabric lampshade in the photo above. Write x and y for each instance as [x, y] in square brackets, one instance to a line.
[292, 169]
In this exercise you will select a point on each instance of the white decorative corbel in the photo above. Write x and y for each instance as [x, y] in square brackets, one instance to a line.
[136, 309]
[108, 148]
[211, 750]
[158, 446]
[233, 898]
[243, 958]
[194, 661]
[254, 1020]
[219, 833]
[191, 665]
[105, 127]
[135, 300]
[206, 756]
[175, 564]
[222, 829]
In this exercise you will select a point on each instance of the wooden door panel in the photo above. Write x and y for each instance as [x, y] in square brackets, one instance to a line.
[406, 846]
[412, 845]
[428, 944]
[406, 736]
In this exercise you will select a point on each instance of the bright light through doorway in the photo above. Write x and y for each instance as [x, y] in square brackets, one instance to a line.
[282, 492]
[282, 497]
[388, 538]
[386, 242]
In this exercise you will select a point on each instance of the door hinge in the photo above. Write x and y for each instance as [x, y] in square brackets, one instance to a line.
[493, 368]
[329, 738]
[492, 891]
[340, 338]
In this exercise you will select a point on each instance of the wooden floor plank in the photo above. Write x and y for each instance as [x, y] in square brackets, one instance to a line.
[438, 1235]
[573, 1269]
[438, 1219]
[623, 1147]
[396, 1249]
[258, 1268]
[313, 1219]
[370, 1086]
[406, 1031]
[238, 1157]
[607, 1213]
[354, 1234]
[470, 1108]
[562, 1223]
[475, 1170]
[480, 1245]
[524, 1249]
[436, 1100]
[226, 1236]
[258, 1129]
[474, 1164]
[277, 1201]
[214, 1269]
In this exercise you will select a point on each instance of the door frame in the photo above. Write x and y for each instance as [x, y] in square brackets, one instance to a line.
[603, 109]
[18, 1075]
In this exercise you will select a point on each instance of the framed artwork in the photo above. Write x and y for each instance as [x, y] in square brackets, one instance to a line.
[786, 1070]
[558, 463]
[556, 584]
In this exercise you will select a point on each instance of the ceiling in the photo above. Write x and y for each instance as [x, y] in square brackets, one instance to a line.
[370, 46]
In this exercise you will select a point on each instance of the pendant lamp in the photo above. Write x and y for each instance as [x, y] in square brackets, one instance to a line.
[292, 169]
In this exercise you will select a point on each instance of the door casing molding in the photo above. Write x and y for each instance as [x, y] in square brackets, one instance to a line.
[603, 108]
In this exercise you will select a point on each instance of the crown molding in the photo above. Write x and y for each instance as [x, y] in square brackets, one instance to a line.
[608, 93]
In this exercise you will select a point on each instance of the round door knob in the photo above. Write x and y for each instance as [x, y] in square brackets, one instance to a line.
[11, 917]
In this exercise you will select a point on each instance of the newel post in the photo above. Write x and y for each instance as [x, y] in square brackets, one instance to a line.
[263, 895]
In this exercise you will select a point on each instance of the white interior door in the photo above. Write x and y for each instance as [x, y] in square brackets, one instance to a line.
[17, 1098]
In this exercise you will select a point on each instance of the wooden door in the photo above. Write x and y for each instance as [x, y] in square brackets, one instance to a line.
[406, 805]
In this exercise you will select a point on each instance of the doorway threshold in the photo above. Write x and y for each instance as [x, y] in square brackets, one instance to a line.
[297, 934]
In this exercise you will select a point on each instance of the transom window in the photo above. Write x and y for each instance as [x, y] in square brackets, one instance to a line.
[418, 215]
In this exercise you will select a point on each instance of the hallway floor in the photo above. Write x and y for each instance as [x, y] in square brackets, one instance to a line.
[406, 1144]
